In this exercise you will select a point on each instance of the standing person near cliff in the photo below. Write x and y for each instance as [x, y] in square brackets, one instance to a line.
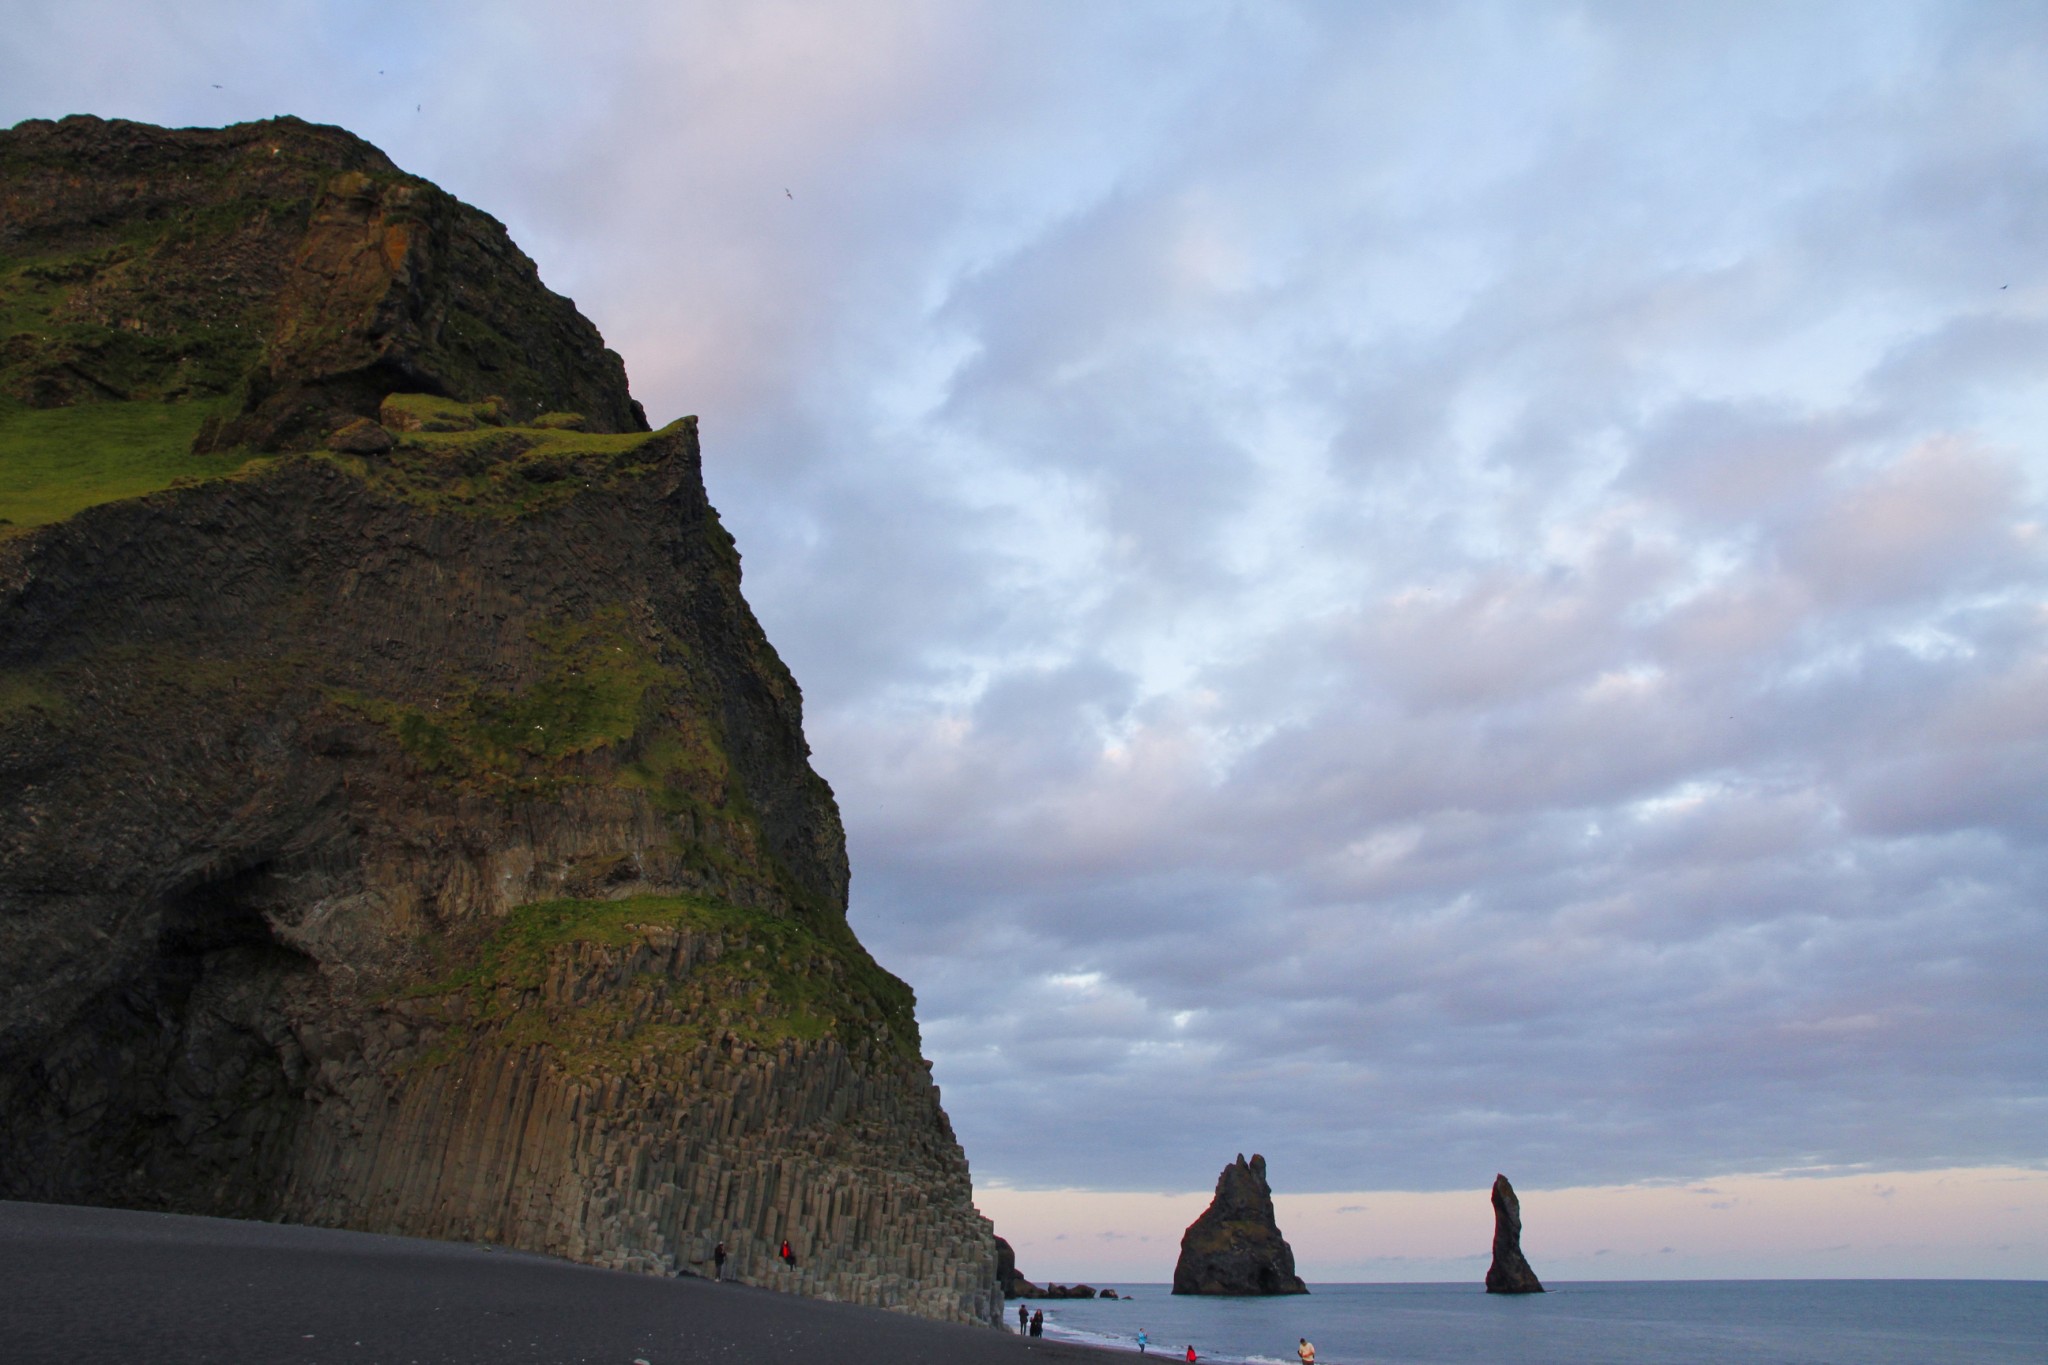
[1307, 1352]
[1023, 1319]
[718, 1261]
[788, 1256]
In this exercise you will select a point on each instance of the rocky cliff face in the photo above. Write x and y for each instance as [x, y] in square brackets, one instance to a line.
[1235, 1247]
[287, 268]
[420, 840]
[1509, 1273]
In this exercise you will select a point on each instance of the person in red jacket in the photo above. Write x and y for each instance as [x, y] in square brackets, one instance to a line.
[1191, 1354]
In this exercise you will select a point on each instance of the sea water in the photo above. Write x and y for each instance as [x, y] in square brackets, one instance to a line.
[1699, 1322]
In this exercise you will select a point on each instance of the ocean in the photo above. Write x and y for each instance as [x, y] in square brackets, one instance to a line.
[1698, 1322]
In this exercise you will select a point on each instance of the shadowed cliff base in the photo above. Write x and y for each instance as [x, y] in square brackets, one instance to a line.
[83, 1286]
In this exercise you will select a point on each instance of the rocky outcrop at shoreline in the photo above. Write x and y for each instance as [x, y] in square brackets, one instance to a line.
[1235, 1247]
[1510, 1272]
[412, 832]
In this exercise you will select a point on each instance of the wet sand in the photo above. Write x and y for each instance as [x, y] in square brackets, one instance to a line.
[85, 1286]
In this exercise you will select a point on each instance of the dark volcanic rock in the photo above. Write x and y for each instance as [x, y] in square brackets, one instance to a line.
[1509, 1273]
[361, 437]
[424, 843]
[1013, 1285]
[285, 266]
[1235, 1247]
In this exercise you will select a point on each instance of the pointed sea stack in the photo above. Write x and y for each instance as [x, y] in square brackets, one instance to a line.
[1235, 1247]
[1509, 1273]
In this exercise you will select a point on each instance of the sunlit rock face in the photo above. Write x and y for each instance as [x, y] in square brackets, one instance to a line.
[404, 823]
[1235, 1247]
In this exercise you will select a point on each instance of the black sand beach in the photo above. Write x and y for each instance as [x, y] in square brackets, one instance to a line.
[84, 1286]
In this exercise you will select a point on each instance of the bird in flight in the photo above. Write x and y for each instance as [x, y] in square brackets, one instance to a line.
[216, 87]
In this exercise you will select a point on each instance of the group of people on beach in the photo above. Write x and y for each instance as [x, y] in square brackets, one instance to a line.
[1033, 1324]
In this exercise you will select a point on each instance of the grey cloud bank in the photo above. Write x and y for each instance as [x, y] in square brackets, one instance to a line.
[1423, 590]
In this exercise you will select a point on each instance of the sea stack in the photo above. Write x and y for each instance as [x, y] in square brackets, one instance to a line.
[1235, 1247]
[405, 824]
[1509, 1273]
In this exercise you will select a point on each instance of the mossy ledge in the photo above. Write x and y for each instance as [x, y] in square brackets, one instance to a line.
[404, 822]
[672, 974]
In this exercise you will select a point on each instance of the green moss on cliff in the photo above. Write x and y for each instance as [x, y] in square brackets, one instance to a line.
[433, 412]
[125, 321]
[456, 459]
[758, 978]
[593, 692]
[681, 767]
[29, 697]
[57, 461]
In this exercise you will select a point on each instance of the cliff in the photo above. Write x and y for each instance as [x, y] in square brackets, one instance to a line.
[285, 268]
[416, 835]
[1235, 1247]
[1509, 1273]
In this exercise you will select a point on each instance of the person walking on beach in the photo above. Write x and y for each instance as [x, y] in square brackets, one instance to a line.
[1307, 1352]
[718, 1260]
[1141, 1341]
[1191, 1355]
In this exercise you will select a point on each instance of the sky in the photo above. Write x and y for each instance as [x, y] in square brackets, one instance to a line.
[1419, 589]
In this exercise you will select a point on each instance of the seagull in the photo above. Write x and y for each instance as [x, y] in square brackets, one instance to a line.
[2002, 286]
[216, 87]
[787, 195]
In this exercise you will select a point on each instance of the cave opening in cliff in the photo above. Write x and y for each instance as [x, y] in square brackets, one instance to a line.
[228, 912]
[178, 1085]
[214, 1012]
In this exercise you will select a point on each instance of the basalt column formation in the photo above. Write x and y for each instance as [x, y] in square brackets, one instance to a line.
[404, 823]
